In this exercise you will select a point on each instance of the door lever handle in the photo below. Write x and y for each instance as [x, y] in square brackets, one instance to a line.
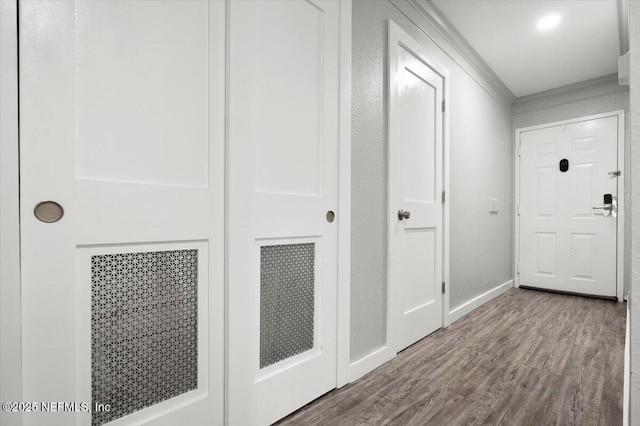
[610, 209]
[403, 214]
[607, 208]
[610, 206]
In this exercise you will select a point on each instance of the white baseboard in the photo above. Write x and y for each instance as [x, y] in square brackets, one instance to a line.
[469, 306]
[381, 355]
[627, 373]
[370, 362]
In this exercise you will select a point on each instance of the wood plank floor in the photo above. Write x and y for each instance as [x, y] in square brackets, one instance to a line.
[525, 358]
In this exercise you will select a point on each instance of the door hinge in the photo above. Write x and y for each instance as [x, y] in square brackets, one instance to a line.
[518, 268]
[443, 196]
[616, 173]
[443, 106]
[518, 209]
[443, 286]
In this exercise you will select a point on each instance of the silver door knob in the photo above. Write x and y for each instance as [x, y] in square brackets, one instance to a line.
[403, 214]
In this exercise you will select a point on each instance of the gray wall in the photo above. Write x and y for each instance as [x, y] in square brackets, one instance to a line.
[480, 163]
[604, 95]
[634, 29]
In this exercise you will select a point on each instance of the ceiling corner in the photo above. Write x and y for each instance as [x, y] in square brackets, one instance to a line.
[451, 34]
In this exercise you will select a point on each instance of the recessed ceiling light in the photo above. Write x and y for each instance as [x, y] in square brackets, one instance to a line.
[549, 22]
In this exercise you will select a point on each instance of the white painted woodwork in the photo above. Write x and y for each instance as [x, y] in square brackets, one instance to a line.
[415, 185]
[344, 200]
[282, 165]
[122, 123]
[10, 350]
[565, 244]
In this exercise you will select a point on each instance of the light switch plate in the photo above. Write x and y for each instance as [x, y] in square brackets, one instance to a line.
[493, 206]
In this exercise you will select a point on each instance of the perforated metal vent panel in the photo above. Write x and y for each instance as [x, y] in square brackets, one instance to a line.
[143, 329]
[286, 301]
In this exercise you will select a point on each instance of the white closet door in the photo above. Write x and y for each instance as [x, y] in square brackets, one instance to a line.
[283, 144]
[122, 128]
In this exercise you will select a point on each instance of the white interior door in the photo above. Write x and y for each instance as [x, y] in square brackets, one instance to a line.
[566, 244]
[415, 190]
[122, 126]
[282, 246]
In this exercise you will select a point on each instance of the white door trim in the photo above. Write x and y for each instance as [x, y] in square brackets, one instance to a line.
[620, 228]
[396, 35]
[10, 302]
[447, 319]
[344, 201]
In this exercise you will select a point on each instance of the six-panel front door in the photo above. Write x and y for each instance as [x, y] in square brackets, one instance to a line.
[568, 236]
[122, 136]
[415, 191]
[282, 244]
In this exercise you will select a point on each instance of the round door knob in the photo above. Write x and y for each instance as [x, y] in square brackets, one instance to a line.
[403, 214]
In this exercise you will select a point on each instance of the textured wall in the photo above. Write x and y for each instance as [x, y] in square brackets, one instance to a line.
[582, 102]
[368, 180]
[634, 30]
[481, 167]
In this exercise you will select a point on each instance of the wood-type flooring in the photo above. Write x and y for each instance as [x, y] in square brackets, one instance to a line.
[525, 358]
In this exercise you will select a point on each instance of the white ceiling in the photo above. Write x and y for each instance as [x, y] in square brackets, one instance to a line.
[584, 46]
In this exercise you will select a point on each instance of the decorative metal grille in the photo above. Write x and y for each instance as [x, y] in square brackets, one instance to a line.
[286, 301]
[143, 329]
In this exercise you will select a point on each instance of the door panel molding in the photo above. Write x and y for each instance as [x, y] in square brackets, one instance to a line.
[620, 114]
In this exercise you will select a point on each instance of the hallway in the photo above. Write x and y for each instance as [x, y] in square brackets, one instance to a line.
[527, 357]
[329, 212]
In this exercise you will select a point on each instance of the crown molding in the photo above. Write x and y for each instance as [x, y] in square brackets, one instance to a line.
[588, 89]
[451, 34]
[623, 25]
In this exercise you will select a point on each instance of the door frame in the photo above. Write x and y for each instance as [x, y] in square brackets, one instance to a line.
[620, 188]
[343, 335]
[10, 302]
[396, 36]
